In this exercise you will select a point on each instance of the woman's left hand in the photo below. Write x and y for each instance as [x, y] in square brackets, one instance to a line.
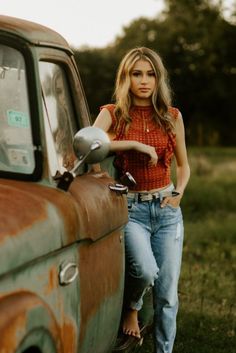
[173, 201]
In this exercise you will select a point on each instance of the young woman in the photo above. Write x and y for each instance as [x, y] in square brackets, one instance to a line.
[146, 132]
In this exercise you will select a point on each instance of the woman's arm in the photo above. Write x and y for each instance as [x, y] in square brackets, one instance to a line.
[182, 165]
[104, 122]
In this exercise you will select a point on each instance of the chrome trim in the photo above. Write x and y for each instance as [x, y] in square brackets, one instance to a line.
[63, 273]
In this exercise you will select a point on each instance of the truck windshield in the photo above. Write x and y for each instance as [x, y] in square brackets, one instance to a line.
[16, 146]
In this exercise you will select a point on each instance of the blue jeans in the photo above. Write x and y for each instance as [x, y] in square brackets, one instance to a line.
[153, 243]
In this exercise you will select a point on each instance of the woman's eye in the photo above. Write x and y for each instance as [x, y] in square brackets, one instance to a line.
[136, 74]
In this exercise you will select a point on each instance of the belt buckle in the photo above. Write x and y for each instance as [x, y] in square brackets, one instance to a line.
[156, 195]
[144, 197]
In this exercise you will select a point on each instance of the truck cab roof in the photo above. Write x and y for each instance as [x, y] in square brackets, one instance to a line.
[33, 33]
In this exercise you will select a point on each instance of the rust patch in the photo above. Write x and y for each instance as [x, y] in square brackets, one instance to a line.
[100, 210]
[101, 272]
[14, 310]
[8, 339]
[33, 32]
[52, 283]
[18, 210]
[25, 202]
[69, 337]
[89, 209]
[65, 206]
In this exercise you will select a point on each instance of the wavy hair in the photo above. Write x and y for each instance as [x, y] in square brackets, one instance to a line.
[161, 97]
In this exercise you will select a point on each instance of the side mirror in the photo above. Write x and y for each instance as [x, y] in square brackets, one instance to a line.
[91, 145]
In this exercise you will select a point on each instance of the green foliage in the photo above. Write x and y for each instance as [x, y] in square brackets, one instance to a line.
[97, 68]
[202, 72]
[197, 46]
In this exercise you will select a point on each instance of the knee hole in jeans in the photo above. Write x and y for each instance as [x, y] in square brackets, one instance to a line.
[146, 274]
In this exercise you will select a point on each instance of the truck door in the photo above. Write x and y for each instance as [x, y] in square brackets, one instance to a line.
[100, 214]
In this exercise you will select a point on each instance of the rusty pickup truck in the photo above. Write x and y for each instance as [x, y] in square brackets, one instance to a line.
[61, 251]
[61, 224]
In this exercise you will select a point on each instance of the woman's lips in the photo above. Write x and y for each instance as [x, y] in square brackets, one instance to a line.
[144, 89]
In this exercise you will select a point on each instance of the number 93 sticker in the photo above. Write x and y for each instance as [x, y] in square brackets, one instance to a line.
[17, 119]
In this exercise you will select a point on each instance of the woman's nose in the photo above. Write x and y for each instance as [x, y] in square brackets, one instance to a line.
[144, 78]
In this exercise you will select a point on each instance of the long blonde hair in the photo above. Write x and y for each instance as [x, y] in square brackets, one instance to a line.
[161, 98]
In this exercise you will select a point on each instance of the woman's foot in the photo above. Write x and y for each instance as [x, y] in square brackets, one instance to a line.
[130, 323]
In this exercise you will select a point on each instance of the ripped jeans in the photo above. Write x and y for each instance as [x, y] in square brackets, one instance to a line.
[153, 244]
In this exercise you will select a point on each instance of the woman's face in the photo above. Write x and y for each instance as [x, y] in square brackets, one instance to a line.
[142, 81]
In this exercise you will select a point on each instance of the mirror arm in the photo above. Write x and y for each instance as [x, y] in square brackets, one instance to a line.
[68, 176]
[95, 145]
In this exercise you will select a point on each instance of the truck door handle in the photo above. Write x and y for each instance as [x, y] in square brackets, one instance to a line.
[122, 189]
[68, 273]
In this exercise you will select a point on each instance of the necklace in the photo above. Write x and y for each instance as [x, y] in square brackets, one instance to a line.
[146, 128]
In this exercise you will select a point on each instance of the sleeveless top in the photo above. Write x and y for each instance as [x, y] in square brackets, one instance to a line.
[144, 129]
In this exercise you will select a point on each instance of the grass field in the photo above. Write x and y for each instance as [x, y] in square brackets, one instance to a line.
[207, 314]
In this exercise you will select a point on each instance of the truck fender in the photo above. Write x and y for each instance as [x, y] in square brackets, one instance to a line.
[26, 321]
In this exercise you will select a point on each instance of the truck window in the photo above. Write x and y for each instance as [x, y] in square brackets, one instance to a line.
[16, 145]
[58, 117]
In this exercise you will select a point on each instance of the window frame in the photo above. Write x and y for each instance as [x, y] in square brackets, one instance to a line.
[48, 114]
[29, 59]
[75, 88]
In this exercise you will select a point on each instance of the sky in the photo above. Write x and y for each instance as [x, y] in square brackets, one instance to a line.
[93, 23]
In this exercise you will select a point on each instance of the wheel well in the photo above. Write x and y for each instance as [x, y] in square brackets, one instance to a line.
[32, 349]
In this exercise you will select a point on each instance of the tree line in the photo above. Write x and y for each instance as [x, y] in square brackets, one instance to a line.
[197, 45]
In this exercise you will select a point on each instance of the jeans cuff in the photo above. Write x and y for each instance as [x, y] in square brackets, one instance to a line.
[136, 305]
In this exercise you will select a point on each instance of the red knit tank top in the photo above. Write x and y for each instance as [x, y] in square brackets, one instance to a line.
[144, 129]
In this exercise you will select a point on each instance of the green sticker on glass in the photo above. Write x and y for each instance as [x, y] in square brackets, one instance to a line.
[17, 119]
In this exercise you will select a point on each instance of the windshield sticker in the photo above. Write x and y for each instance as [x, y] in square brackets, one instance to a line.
[17, 119]
[18, 157]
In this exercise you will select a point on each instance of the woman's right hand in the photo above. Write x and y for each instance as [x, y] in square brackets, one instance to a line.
[137, 146]
[149, 150]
